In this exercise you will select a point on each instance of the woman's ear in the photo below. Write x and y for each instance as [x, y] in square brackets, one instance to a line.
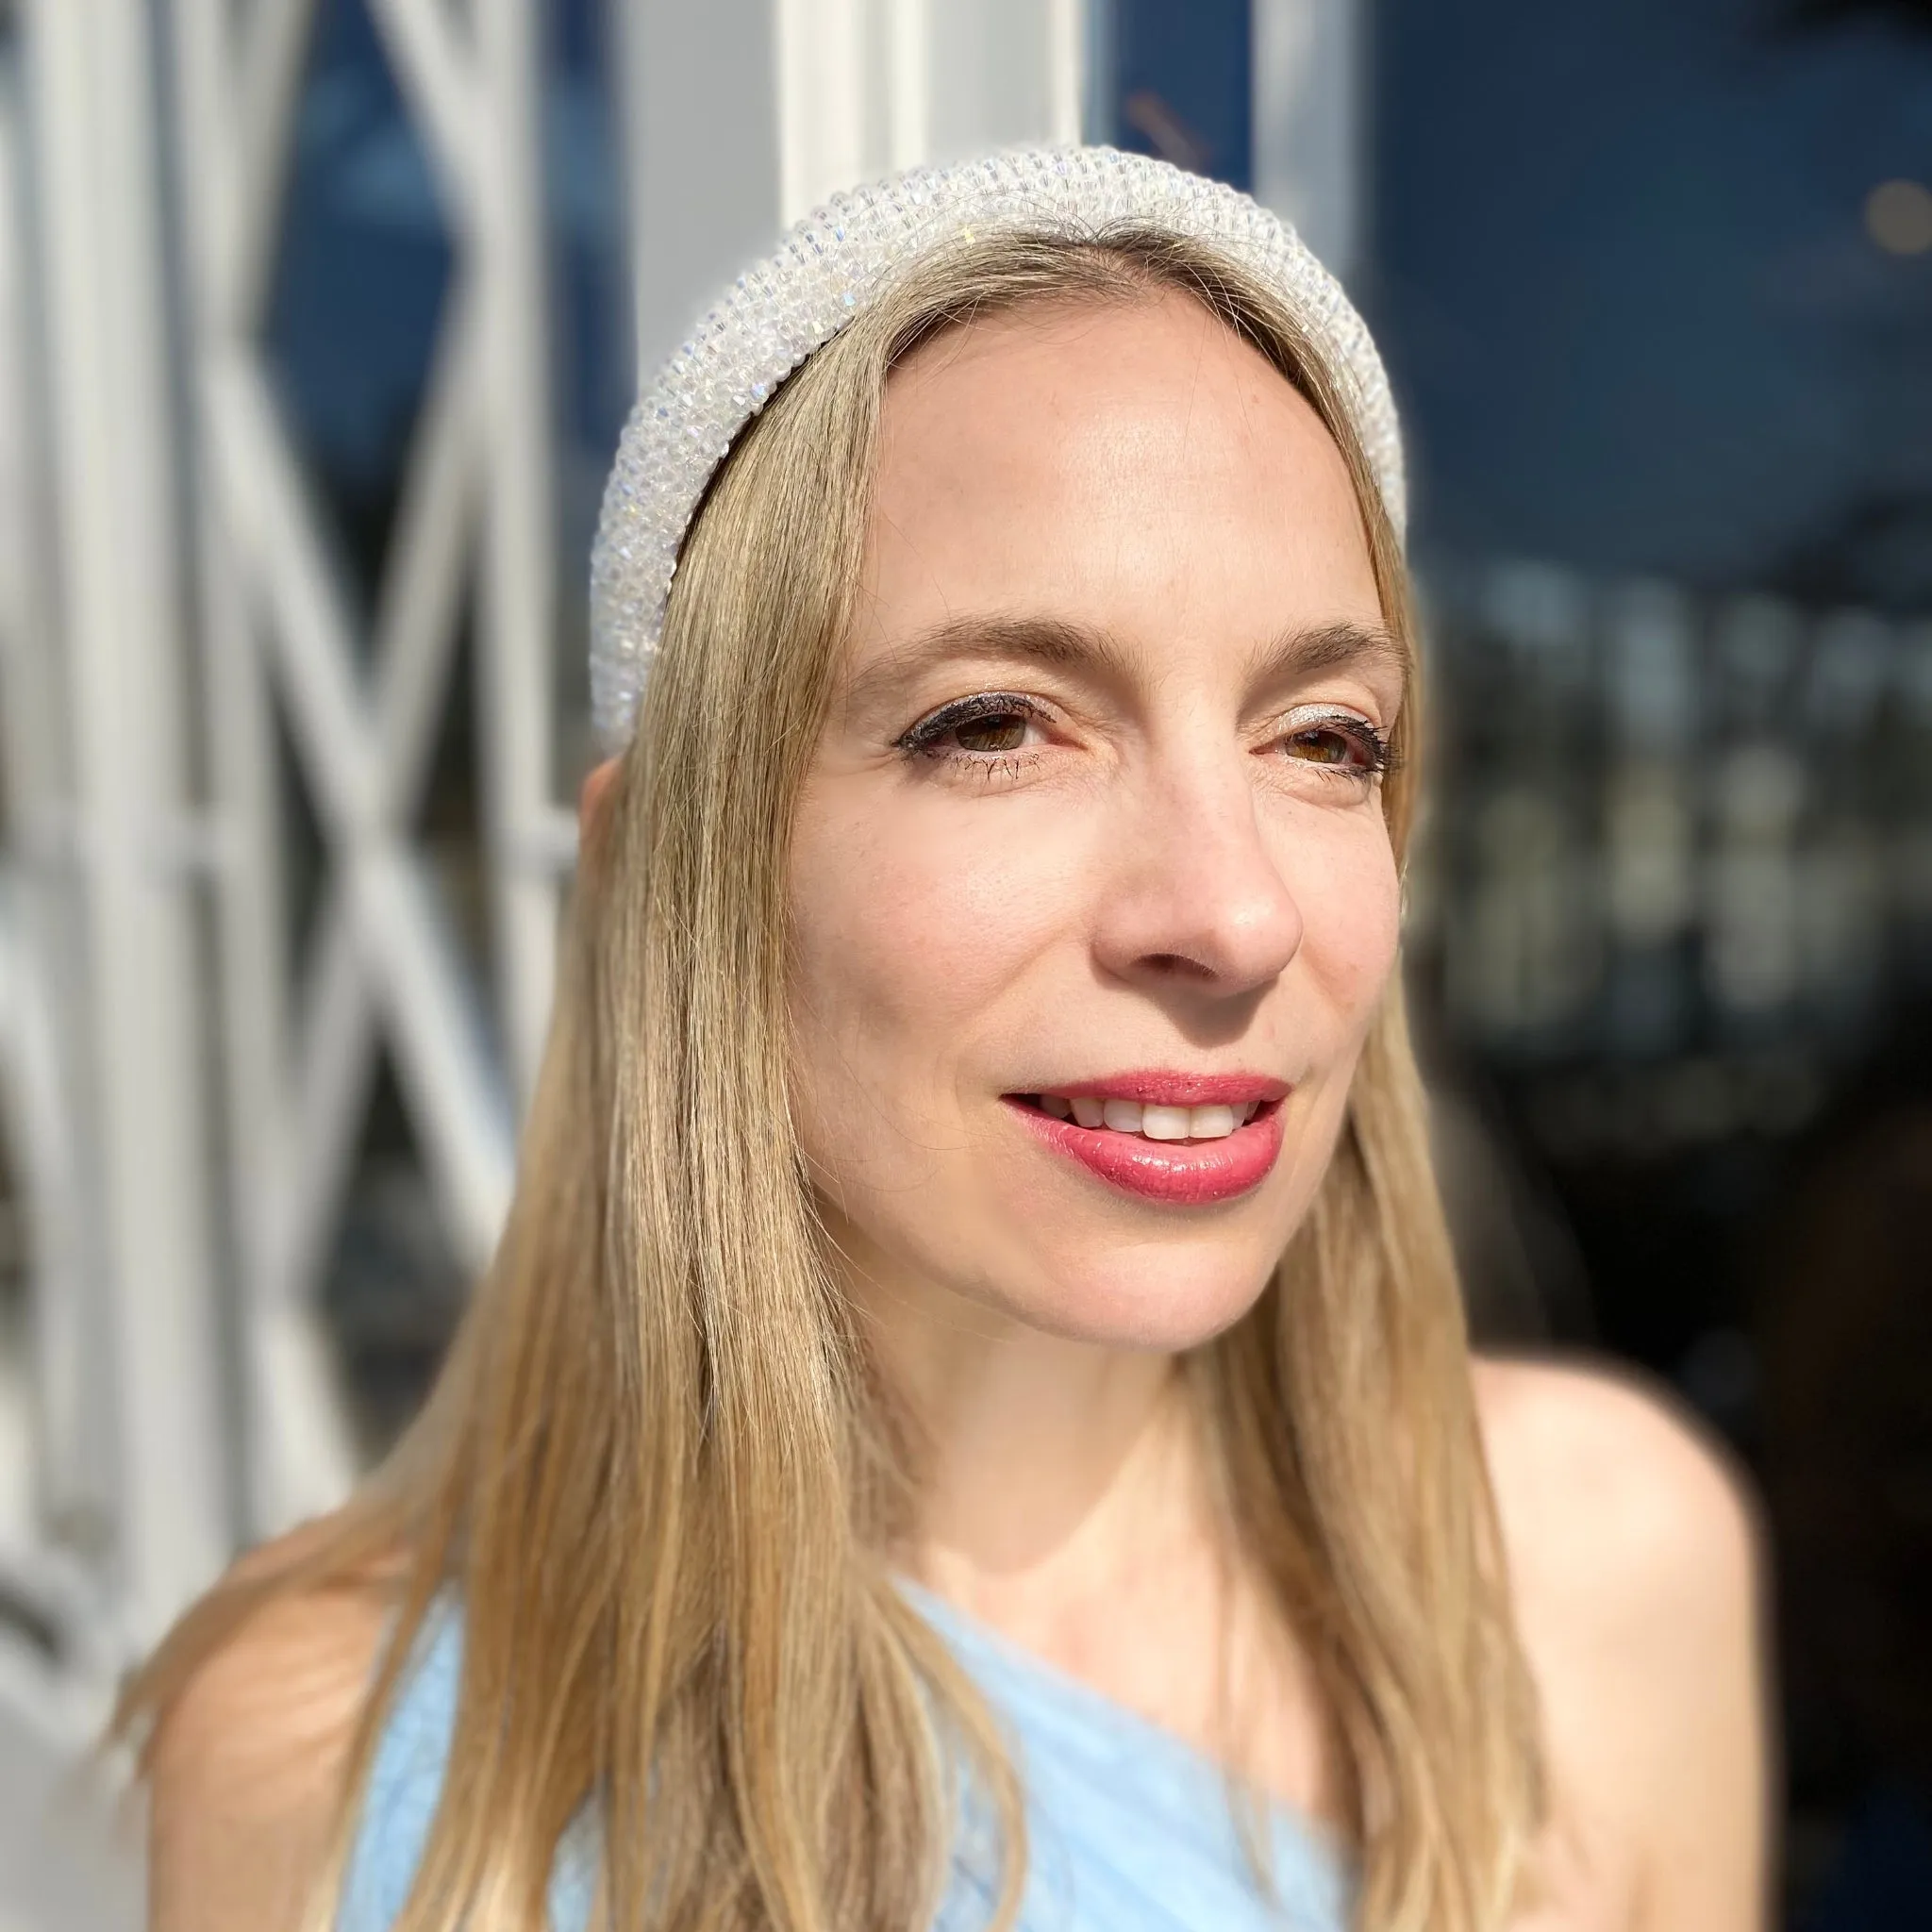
[593, 803]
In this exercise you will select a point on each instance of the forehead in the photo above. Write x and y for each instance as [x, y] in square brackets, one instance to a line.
[1133, 467]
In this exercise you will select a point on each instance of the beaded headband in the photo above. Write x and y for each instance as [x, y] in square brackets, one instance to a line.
[840, 258]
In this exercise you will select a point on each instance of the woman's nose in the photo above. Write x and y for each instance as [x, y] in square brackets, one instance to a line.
[1195, 898]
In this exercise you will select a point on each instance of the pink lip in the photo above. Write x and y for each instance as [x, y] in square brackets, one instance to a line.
[1184, 1174]
[1154, 1086]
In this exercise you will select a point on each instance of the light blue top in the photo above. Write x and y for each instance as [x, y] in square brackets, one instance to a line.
[1129, 1828]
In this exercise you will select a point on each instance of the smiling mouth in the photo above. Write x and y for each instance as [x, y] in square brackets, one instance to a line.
[1146, 1120]
[1182, 1140]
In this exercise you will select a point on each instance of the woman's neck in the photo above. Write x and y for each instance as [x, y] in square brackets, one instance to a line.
[1068, 1499]
[1053, 1474]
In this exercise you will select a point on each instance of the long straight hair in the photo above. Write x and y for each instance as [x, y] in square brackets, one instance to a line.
[658, 1470]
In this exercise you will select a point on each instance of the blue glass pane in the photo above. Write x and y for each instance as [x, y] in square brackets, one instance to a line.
[1629, 288]
[360, 281]
[596, 334]
[1180, 83]
[586, 177]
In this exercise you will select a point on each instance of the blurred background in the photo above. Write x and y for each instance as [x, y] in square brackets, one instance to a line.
[318, 322]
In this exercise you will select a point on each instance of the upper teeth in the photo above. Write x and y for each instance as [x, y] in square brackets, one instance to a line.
[1156, 1123]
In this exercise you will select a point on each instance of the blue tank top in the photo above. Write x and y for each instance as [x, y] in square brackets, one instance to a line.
[1130, 1828]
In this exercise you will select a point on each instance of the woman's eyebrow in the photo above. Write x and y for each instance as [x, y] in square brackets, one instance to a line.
[1055, 642]
[1308, 650]
[1299, 652]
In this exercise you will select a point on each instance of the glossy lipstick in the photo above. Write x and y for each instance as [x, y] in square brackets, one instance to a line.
[1186, 1174]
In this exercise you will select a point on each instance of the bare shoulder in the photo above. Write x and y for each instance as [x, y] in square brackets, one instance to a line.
[247, 1762]
[1635, 1570]
[1606, 1482]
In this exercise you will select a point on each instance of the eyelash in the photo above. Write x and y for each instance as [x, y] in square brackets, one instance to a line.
[1378, 755]
[924, 739]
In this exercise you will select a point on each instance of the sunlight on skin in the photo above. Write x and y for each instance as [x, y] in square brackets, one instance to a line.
[1131, 867]
[1152, 879]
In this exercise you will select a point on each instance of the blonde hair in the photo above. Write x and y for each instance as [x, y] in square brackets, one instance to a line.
[658, 1470]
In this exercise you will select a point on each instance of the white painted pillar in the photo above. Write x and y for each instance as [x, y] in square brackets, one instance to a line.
[117, 568]
[518, 565]
[744, 114]
[48, 1396]
[1310, 73]
[700, 111]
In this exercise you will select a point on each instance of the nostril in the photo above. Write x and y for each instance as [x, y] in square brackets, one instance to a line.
[1178, 966]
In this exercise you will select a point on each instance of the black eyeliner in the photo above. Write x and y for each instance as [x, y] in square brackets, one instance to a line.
[1370, 738]
[986, 703]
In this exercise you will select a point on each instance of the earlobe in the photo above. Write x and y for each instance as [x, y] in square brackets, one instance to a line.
[593, 803]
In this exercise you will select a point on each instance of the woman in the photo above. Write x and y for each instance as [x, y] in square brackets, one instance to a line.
[971, 1413]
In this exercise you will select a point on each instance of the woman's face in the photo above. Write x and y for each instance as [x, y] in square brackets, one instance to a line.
[1094, 833]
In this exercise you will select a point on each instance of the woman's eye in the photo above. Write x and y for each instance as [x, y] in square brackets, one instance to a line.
[992, 725]
[1345, 745]
[1002, 731]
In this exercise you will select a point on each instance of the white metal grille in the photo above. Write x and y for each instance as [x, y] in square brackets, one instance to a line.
[384, 967]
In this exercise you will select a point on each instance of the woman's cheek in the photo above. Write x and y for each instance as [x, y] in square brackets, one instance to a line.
[1351, 899]
[909, 923]
[942, 909]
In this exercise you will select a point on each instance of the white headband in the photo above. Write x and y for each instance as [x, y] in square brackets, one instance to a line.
[838, 260]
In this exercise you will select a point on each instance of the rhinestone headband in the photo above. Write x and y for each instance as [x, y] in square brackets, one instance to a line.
[840, 258]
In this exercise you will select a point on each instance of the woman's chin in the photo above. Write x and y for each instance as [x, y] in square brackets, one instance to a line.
[1145, 1303]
